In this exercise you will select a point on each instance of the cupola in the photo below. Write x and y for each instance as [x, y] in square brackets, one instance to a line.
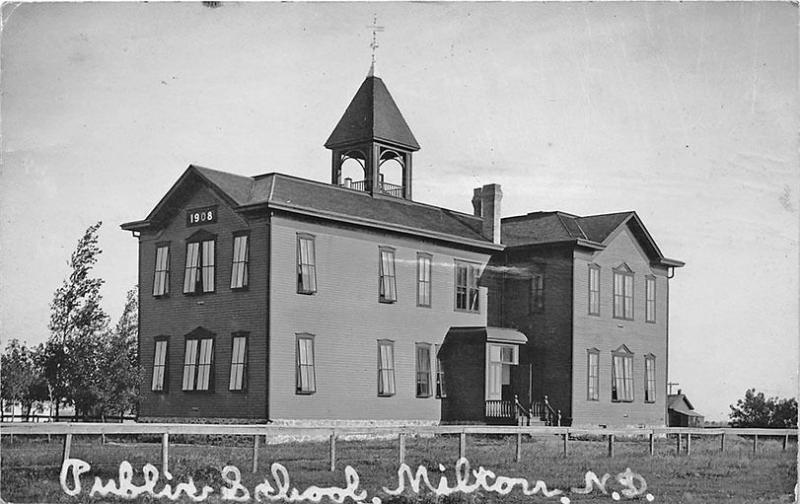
[372, 144]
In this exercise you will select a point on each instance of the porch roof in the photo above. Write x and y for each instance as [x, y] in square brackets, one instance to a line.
[457, 336]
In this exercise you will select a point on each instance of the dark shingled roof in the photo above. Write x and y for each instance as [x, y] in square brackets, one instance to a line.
[284, 192]
[372, 115]
[551, 227]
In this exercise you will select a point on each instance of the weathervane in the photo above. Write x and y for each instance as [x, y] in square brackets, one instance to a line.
[374, 45]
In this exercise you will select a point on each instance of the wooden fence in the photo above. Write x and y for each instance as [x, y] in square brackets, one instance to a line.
[332, 433]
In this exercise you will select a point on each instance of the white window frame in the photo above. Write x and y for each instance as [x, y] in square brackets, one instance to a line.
[240, 342]
[622, 383]
[424, 274]
[306, 371]
[467, 292]
[198, 364]
[387, 275]
[495, 364]
[306, 264]
[160, 364]
[593, 374]
[240, 264]
[386, 376]
[424, 381]
[441, 385]
[650, 378]
[650, 299]
[623, 294]
[200, 269]
[594, 289]
[161, 272]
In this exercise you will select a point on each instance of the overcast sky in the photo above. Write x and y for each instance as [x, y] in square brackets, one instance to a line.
[683, 112]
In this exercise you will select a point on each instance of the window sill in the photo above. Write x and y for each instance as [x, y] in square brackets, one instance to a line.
[387, 301]
[623, 318]
[385, 395]
[161, 296]
[193, 294]
[594, 314]
[305, 392]
[307, 293]
[621, 400]
[238, 391]
[240, 289]
[650, 321]
[461, 310]
[200, 392]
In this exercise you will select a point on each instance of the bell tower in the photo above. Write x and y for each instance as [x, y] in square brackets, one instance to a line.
[373, 134]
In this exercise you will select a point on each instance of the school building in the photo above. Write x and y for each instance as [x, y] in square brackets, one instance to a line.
[273, 298]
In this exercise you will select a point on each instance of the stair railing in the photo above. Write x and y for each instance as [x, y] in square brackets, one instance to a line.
[553, 417]
[522, 414]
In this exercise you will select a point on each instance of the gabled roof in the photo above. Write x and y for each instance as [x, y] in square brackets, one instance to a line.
[277, 191]
[372, 115]
[471, 335]
[593, 231]
[681, 404]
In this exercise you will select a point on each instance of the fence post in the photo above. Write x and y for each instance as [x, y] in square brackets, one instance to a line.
[402, 440]
[164, 453]
[785, 441]
[688, 443]
[518, 451]
[678, 452]
[333, 451]
[755, 443]
[462, 445]
[256, 438]
[722, 443]
[652, 444]
[67, 446]
[611, 445]
[566, 438]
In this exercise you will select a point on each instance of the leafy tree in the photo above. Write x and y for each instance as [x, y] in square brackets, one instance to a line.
[77, 322]
[119, 361]
[20, 379]
[756, 410]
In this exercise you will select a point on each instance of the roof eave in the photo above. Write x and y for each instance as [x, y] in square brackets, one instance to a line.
[578, 242]
[485, 245]
[670, 263]
[136, 225]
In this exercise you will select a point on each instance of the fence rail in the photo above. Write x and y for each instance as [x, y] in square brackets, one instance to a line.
[68, 430]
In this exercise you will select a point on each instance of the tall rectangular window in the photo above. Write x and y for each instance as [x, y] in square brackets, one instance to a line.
[306, 265]
[386, 368]
[499, 359]
[423, 370]
[199, 274]
[197, 363]
[306, 375]
[160, 365]
[594, 289]
[441, 391]
[623, 295]
[467, 286]
[593, 375]
[650, 378]
[241, 254]
[387, 288]
[238, 379]
[650, 299]
[622, 377]
[424, 262]
[537, 293]
[161, 278]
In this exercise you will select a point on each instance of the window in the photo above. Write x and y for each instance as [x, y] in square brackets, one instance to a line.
[238, 380]
[241, 254]
[387, 289]
[160, 365]
[466, 286]
[423, 279]
[199, 275]
[198, 361]
[441, 391]
[499, 360]
[161, 279]
[537, 293]
[593, 375]
[623, 294]
[306, 265]
[423, 370]
[622, 375]
[650, 299]
[650, 378]
[594, 289]
[385, 368]
[306, 374]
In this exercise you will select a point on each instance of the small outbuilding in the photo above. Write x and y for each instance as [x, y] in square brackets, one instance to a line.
[681, 412]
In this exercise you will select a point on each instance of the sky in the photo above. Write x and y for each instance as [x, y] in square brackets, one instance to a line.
[684, 112]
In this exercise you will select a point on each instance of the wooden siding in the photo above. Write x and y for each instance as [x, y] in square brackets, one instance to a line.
[548, 330]
[607, 334]
[347, 320]
[222, 312]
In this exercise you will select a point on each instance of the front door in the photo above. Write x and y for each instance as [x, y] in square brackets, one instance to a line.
[499, 361]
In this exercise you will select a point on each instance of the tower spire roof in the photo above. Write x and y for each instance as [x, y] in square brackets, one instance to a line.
[372, 115]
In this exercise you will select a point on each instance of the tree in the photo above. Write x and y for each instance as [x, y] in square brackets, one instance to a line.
[756, 410]
[77, 323]
[119, 362]
[20, 379]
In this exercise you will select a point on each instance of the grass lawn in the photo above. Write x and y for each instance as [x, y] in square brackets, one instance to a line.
[30, 467]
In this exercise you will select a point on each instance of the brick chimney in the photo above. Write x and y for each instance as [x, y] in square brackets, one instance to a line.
[486, 204]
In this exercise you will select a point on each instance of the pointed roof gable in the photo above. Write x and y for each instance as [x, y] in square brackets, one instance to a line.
[372, 115]
[307, 197]
[593, 231]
